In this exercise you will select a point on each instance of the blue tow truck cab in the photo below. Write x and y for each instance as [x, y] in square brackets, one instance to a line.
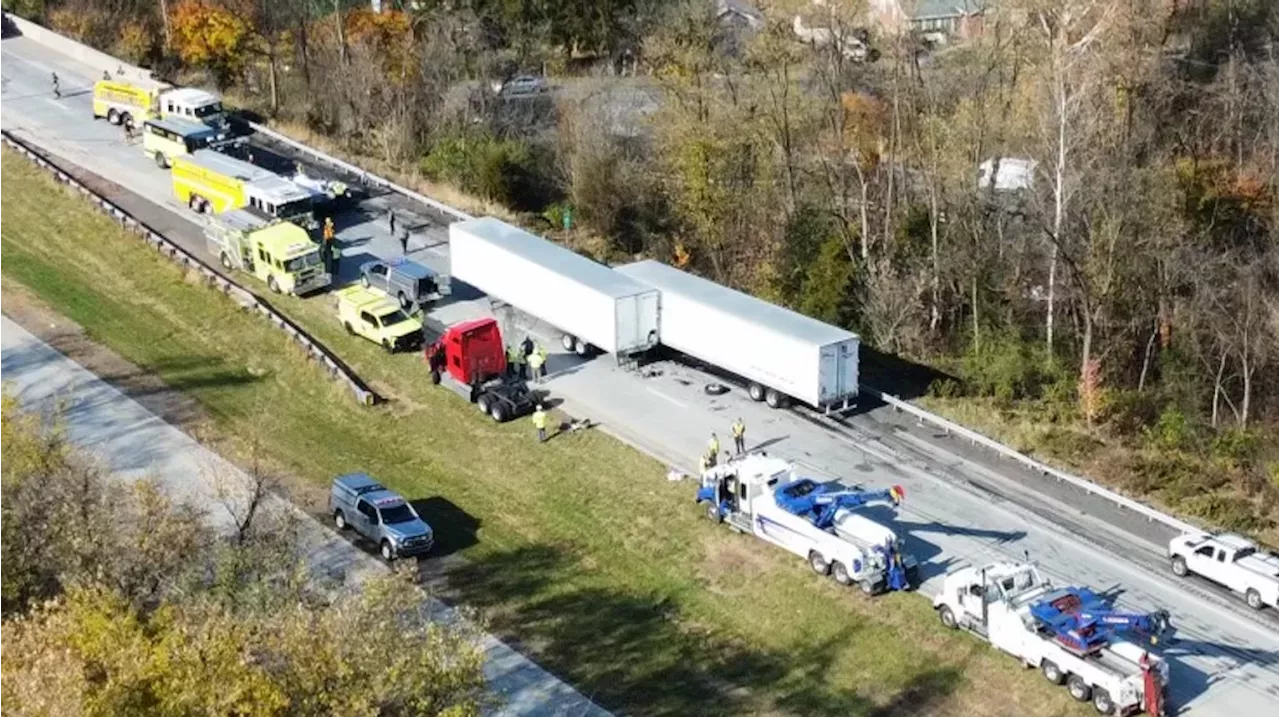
[361, 503]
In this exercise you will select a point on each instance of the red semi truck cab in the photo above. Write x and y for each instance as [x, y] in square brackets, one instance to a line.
[472, 351]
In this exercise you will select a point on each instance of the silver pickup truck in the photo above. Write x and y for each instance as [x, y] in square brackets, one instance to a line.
[364, 505]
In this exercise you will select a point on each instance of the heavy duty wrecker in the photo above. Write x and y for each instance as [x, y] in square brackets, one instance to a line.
[761, 495]
[1070, 634]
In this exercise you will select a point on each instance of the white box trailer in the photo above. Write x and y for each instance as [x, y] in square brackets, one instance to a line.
[779, 353]
[590, 303]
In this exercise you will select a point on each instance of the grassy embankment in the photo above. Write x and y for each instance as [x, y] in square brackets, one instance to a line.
[578, 549]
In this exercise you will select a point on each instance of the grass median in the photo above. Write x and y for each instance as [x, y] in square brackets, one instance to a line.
[577, 550]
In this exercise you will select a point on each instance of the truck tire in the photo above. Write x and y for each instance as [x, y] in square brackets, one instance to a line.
[755, 391]
[126, 118]
[582, 348]
[225, 261]
[113, 116]
[568, 342]
[347, 325]
[867, 587]
[1253, 599]
[498, 412]
[161, 162]
[947, 618]
[364, 281]
[1102, 702]
[840, 573]
[773, 399]
[819, 565]
[1179, 566]
[713, 513]
[1079, 690]
[386, 346]
[1051, 672]
[386, 552]
[339, 520]
[272, 285]
[405, 304]
[482, 402]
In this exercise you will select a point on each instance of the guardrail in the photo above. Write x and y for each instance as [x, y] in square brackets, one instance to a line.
[368, 178]
[239, 294]
[1084, 484]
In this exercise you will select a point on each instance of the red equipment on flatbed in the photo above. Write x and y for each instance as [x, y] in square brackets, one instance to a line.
[471, 359]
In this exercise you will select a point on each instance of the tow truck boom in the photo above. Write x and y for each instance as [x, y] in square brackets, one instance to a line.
[1084, 624]
[808, 498]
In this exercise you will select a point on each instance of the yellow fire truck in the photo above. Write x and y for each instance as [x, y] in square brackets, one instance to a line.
[125, 102]
[277, 252]
[208, 181]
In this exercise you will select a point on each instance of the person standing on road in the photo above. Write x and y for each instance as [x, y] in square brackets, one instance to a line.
[57, 91]
[540, 423]
[713, 449]
[536, 367]
[391, 222]
[404, 241]
[328, 229]
[739, 436]
[326, 245]
[526, 346]
[541, 352]
[511, 361]
[335, 256]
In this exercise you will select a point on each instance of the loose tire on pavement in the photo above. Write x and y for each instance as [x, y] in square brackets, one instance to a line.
[1079, 689]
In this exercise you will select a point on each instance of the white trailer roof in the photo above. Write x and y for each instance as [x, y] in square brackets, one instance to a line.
[747, 308]
[566, 262]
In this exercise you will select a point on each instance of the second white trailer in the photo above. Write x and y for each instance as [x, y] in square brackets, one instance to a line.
[590, 303]
[781, 354]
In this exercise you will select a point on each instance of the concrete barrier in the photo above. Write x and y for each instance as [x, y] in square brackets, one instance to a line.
[84, 54]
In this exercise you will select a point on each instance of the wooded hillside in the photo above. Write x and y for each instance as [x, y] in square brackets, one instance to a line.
[1105, 297]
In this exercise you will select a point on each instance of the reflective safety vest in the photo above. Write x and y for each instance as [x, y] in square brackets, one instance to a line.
[713, 447]
[513, 356]
[539, 420]
[738, 429]
[536, 359]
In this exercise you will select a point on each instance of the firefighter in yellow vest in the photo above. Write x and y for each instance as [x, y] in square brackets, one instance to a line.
[739, 430]
[540, 423]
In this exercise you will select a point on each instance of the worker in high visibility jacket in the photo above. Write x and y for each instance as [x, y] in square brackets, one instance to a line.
[511, 360]
[541, 351]
[536, 363]
[713, 449]
[540, 423]
[739, 430]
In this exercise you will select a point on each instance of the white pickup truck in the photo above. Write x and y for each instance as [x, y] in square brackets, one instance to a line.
[1230, 560]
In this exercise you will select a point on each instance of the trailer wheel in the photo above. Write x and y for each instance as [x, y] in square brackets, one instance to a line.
[1253, 599]
[339, 520]
[947, 617]
[1179, 566]
[774, 399]
[1079, 689]
[819, 565]
[582, 348]
[568, 342]
[1051, 672]
[755, 391]
[498, 412]
[713, 513]
[840, 573]
[1102, 701]
[113, 116]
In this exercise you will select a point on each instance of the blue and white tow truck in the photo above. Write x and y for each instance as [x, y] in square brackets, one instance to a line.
[762, 496]
[1070, 634]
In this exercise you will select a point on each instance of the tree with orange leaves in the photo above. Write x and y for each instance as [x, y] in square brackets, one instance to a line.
[208, 35]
